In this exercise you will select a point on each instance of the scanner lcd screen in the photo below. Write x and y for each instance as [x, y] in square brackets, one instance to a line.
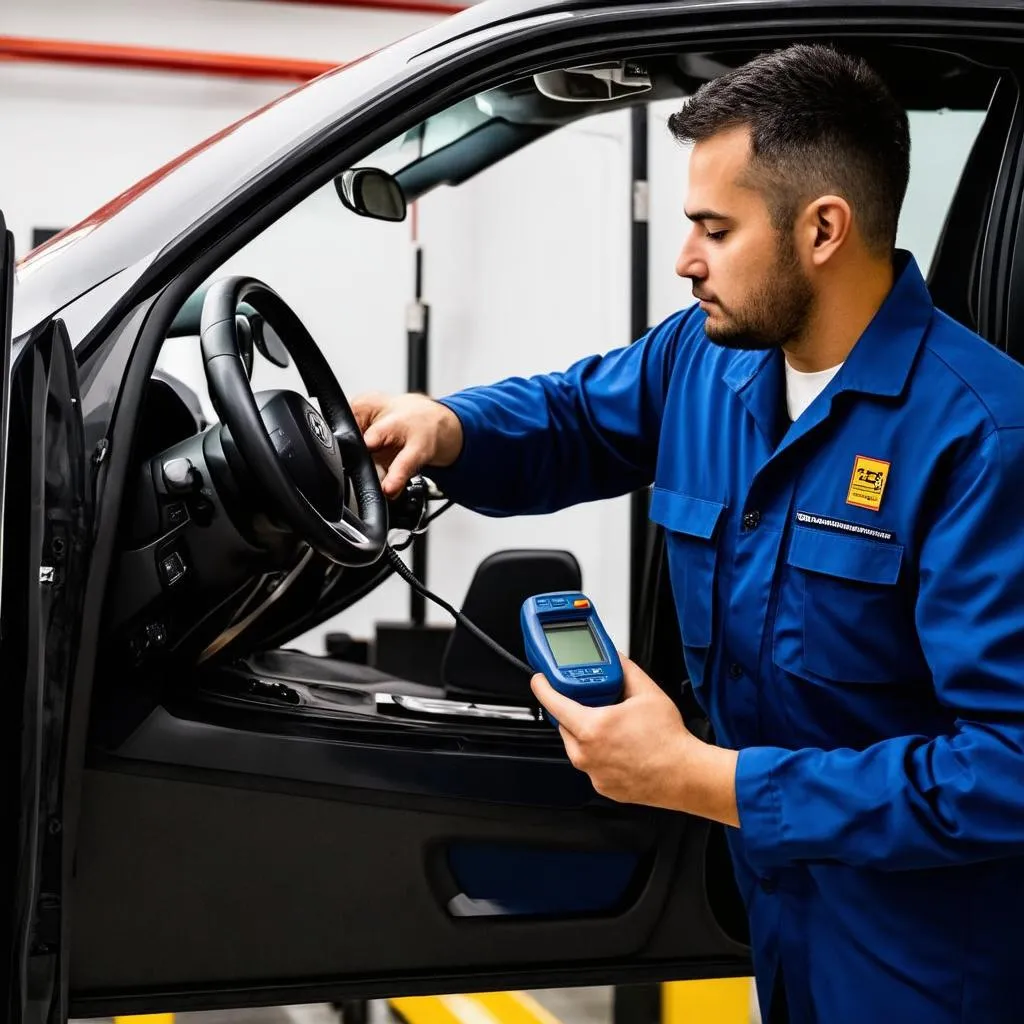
[573, 645]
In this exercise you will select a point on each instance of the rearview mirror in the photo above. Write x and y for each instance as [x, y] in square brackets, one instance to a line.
[371, 193]
[594, 83]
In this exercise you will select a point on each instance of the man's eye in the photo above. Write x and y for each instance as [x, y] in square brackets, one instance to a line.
[715, 236]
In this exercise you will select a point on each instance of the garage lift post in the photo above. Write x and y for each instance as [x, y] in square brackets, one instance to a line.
[417, 327]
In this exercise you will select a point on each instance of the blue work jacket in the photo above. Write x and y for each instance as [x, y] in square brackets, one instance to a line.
[850, 593]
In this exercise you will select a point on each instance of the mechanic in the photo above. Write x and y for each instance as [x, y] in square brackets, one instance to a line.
[838, 467]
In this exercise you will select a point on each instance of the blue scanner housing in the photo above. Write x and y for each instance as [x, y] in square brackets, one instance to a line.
[566, 641]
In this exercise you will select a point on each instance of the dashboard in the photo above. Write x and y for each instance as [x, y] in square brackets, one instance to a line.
[203, 570]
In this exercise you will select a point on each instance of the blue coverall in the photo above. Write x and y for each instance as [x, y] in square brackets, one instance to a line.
[850, 592]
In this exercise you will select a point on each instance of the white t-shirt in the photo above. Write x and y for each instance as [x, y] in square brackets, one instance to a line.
[803, 388]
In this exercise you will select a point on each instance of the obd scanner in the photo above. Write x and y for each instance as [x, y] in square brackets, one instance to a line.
[565, 640]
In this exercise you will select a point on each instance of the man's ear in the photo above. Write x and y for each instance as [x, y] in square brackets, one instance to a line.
[825, 226]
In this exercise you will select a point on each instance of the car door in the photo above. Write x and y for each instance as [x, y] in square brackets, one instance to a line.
[45, 551]
[229, 852]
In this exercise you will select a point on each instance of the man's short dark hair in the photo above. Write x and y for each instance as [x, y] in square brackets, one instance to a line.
[821, 122]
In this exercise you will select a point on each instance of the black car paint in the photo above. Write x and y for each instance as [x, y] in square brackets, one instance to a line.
[108, 279]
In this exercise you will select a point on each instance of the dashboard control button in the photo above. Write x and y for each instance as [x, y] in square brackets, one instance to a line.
[172, 568]
[175, 514]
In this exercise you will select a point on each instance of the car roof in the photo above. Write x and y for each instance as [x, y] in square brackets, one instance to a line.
[495, 12]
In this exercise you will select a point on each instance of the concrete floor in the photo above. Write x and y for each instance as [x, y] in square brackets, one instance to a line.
[570, 1006]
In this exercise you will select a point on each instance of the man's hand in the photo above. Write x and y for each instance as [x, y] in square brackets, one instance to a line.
[639, 751]
[405, 433]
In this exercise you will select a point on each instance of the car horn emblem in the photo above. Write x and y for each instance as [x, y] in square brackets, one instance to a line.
[319, 428]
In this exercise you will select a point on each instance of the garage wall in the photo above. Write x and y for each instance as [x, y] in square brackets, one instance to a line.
[75, 137]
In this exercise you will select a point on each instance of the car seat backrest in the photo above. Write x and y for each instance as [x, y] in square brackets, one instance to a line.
[502, 582]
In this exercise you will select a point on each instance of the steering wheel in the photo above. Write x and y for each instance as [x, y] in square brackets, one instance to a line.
[300, 458]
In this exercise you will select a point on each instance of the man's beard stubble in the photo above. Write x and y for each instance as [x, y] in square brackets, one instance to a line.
[777, 313]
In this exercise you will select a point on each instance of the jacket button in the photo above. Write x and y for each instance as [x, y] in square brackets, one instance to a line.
[768, 885]
[735, 671]
[751, 520]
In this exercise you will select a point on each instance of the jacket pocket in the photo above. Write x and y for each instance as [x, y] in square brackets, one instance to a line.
[842, 615]
[692, 544]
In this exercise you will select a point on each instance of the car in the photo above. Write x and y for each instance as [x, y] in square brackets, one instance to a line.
[198, 816]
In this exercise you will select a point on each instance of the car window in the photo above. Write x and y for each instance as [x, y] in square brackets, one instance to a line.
[525, 268]
[940, 142]
[432, 134]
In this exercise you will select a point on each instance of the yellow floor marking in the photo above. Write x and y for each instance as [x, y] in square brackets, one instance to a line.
[477, 1008]
[424, 1010]
[147, 1018]
[716, 1001]
[469, 1010]
[516, 1008]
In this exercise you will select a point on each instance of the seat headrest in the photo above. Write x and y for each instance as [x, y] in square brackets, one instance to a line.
[502, 582]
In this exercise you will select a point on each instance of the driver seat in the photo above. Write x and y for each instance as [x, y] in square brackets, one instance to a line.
[469, 669]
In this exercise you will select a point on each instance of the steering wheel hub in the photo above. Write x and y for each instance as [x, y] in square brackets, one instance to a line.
[320, 429]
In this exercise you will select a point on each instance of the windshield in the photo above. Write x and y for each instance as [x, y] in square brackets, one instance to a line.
[431, 135]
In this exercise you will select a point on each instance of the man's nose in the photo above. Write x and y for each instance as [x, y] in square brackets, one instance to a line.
[690, 264]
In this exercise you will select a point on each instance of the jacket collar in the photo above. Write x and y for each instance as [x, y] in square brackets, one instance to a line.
[880, 361]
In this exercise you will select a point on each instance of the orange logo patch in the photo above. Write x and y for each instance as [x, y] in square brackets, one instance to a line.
[867, 485]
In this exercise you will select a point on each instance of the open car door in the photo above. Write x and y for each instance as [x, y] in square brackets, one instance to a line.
[45, 549]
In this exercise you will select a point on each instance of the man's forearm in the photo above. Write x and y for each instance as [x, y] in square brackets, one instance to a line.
[705, 782]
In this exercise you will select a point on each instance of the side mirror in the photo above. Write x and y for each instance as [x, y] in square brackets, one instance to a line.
[371, 193]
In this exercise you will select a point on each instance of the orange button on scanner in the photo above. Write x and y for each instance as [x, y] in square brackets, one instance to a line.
[581, 604]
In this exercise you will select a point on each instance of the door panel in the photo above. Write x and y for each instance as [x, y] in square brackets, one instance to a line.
[46, 541]
[291, 854]
[324, 908]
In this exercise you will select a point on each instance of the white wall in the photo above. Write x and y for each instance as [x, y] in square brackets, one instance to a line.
[528, 270]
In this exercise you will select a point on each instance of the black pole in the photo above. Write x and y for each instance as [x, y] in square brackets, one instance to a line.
[638, 325]
[638, 1004]
[418, 379]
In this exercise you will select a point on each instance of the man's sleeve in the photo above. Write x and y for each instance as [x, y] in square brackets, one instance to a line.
[541, 443]
[916, 802]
